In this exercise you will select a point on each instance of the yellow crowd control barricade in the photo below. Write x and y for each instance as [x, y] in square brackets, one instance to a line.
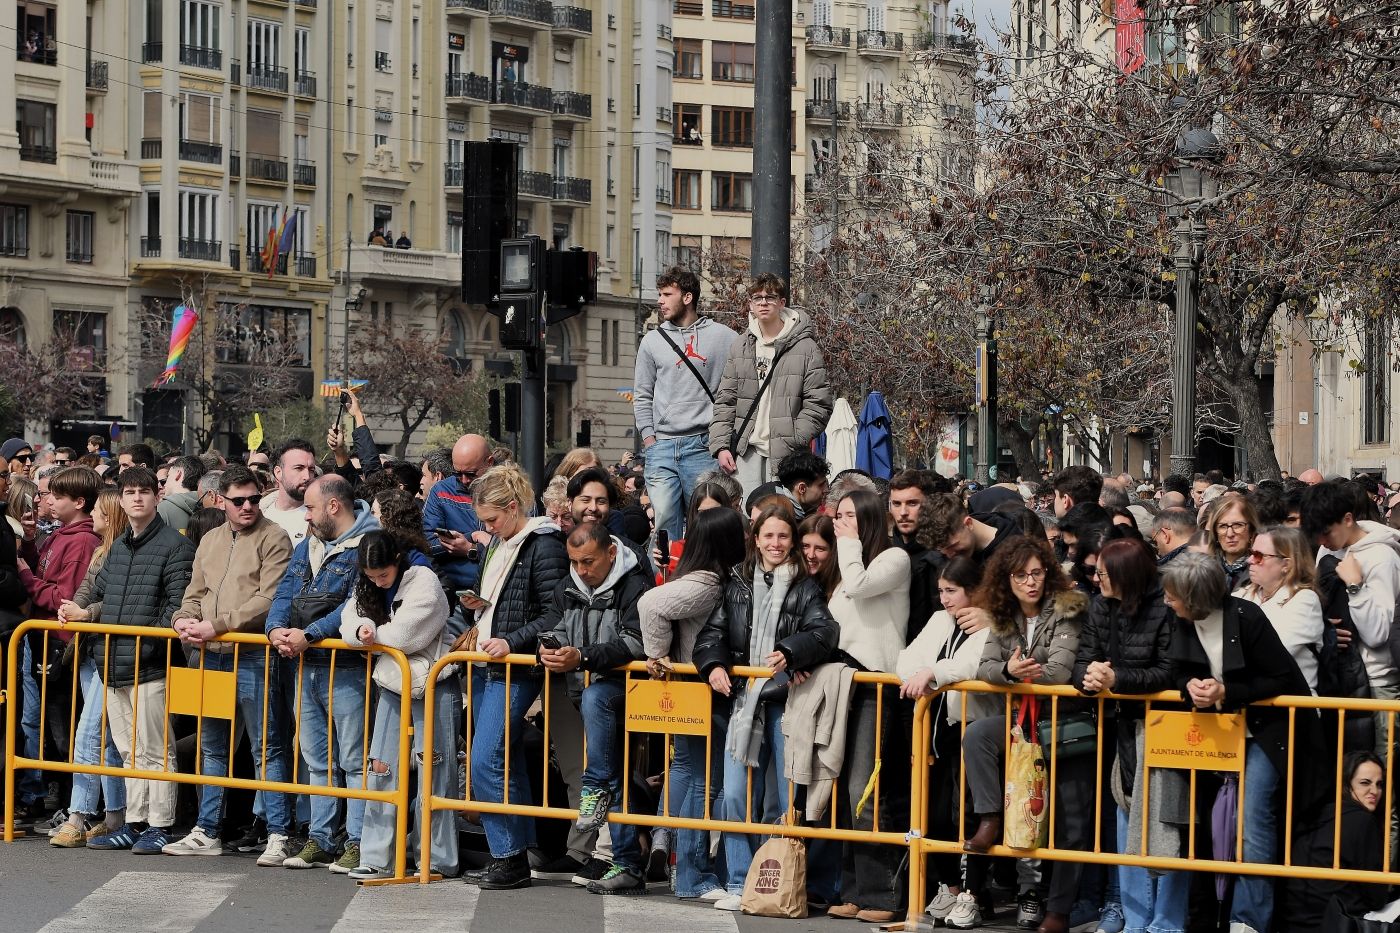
[1201, 746]
[680, 705]
[206, 690]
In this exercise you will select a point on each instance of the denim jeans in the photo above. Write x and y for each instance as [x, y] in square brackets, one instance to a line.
[31, 780]
[685, 797]
[603, 707]
[1151, 903]
[347, 733]
[90, 734]
[740, 805]
[1253, 901]
[377, 840]
[506, 835]
[673, 467]
[275, 808]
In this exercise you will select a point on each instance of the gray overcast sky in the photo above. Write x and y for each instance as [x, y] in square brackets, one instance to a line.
[984, 13]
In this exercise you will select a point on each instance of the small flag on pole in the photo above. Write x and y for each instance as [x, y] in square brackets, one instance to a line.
[269, 253]
[330, 388]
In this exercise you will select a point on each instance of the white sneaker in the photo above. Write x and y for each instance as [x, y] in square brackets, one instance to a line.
[964, 914]
[728, 902]
[714, 894]
[941, 904]
[278, 850]
[196, 843]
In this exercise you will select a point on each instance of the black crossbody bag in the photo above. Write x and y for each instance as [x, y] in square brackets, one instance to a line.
[694, 371]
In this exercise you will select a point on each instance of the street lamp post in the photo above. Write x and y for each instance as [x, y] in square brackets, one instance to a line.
[1188, 186]
[988, 447]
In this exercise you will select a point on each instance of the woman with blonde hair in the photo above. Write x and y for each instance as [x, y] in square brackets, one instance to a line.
[580, 458]
[109, 522]
[1281, 576]
[523, 564]
[1231, 524]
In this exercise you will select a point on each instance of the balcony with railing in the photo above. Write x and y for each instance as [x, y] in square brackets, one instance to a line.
[537, 185]
[267, 168]
[452, 174]
[201, 250]
[579, 190]
[306, 266]
[663, 114]
[468, 7]
[664, 33]
[97, 75]
[945, 42]
[305, 84]
[47, 154]
[532, 13]
[382, 263]
[820, 110]
[267, 78]
[114, 175]
[879, 43]
[728, 9]
[688, 8]
[309, 4]
[879, 114]
[235, 165]
[198, 56]
[830, 38]
[522, 96]
[152, 52]
[573, 105]
[256, 263]
[150, 247]
[573, 20]
[304, 174]
[235, 259]
[150, 148]
[468, 86]
[208, 153]
[663, 195]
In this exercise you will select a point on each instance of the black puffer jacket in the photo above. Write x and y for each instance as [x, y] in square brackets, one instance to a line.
[141, 583]
[807, 634]
[522, 607]
[13, 595]
[1138, 646]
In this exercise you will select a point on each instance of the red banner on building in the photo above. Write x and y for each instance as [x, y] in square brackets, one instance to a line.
[1130, 33]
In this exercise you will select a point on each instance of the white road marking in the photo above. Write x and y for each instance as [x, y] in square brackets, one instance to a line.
[443, 907]
[150, 901]
[649, 914]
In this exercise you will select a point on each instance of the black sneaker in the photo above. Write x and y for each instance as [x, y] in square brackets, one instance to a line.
[618, 880]
[253, 838]
[562, 868]
[501, 874]
[659, 865]
[593, 870]
[1029, 910]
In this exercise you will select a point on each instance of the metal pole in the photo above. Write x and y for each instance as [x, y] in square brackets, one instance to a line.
[1183, 459]
[345, 347]
[987, 446]
[772, 156]
[532, 415]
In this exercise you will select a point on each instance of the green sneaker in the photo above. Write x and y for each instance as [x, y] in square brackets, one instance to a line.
[312, 855]
[619, 880]
[593, 806]
[349, 860]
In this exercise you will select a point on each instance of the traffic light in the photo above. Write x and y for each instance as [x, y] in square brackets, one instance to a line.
[573, 282]
[521, 302]
[584, 438]
[489, 187]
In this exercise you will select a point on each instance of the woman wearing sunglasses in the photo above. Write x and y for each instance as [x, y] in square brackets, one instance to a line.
[1281, 576]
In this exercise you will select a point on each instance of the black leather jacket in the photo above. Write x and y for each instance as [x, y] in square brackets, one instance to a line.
[807, 634]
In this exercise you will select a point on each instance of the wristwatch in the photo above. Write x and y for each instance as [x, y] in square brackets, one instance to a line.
[1353, 589]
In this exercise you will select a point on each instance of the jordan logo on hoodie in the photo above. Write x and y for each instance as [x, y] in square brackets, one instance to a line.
[691, 352]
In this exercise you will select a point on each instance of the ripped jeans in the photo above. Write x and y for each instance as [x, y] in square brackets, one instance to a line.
[377, 836]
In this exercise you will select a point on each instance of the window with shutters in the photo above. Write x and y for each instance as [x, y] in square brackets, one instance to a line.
[731, 126]
[81, 227]
[732, 61]
[199, 118]
[264, 130]
[689, 61]
[731, 191]
[875, 15]
[685, 185]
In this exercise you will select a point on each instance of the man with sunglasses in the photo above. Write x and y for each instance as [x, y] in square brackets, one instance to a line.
[20, 454]
[449, 518]
[237, 570]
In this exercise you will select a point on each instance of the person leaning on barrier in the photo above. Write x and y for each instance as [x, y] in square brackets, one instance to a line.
[1036, 617]
[237, 569]
[141, 583]
[1125, 647]
[523, 565]
[774, 615]
[594, 623]
[671, 618]
[399, 603]
[1226, 657]
[306, 609]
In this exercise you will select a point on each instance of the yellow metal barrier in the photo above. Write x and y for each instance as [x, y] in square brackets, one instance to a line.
[752, 824]
[207, 694]
[1104, 804]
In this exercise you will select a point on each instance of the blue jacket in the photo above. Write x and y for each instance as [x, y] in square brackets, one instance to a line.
[448, 506]
[339, 568]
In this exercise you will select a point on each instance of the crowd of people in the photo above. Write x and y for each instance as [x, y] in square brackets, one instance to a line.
[726, 543]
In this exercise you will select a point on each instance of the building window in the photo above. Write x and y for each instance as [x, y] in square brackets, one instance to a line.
[686, 251]
[685, 185]
[85, 333]
[734, 252]
[689, 58]
[689, 127]
[264, 45]
[1375, 383]
[732, 126]
[732, 61]
[37, 125]
[12, 327]
[199, 226]
[14, 230]
[265, 334]
[80, 233]
[731, 191]
[36, 32]
[454, 231]
[199, 30]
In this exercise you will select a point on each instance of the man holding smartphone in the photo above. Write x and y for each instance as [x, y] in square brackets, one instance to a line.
[454, 533]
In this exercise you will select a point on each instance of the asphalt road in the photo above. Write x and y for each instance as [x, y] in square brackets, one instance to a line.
[49, 890]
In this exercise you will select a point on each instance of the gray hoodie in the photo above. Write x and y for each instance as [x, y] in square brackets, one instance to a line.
[669, 401]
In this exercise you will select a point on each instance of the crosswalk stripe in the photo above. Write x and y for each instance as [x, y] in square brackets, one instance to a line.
[165, 902]
[649, 914]
[444, 907]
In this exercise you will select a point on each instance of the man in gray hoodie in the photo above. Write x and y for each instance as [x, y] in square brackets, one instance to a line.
[180, 499]
[679, 365]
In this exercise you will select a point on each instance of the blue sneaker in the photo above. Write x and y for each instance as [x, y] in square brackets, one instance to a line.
[151, 842]
[1111, 920]
[123, 838]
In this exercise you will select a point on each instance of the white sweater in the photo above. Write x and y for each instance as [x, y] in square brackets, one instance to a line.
[415, 627]
[872, 604]
[1297, 617]
[923, 653]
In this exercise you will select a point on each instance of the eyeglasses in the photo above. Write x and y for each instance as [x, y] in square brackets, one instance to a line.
[23, 458]
[467, 475]
[239, 501]
[765, 299]
[62, 462]
[1028, 576]
[1096, 573]
[1232, 528]
[1259, 556]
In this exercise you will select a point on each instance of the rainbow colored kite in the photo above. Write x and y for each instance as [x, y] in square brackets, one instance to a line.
[182, 327]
